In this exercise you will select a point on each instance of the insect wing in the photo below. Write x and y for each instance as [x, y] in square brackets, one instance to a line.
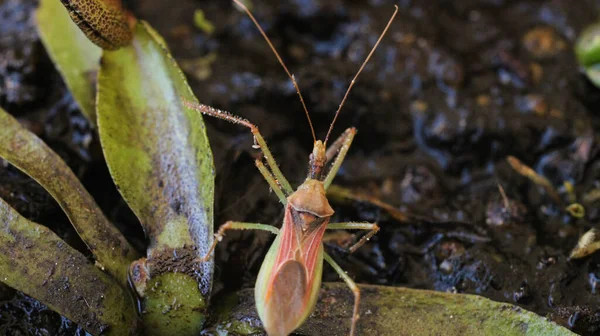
[289, 279]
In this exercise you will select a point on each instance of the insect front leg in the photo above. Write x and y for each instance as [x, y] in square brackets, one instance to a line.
[373, 227]
[272, 181]
[261, 143]
[341, 146]
[236, 226]
[353, 287]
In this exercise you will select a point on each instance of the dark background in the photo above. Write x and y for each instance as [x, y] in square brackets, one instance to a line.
[454, 88]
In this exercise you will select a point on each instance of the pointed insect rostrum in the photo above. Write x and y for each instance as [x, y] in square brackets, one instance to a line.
[290, 277]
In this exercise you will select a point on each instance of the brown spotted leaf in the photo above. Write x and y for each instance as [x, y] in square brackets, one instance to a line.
[104, 22]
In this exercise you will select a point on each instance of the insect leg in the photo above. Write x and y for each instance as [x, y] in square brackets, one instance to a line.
[285, 185]
[352, 286]
[236, 226]
[213, 112]
[272, 181]
[343, 143]
[373, 227]
[342, 194]
[337, 144]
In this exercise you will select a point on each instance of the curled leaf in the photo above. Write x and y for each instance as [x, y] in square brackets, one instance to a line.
[73, 54]
[576, 210]
[38, 263]
[27, 152]
[158, 154]
[587, 244]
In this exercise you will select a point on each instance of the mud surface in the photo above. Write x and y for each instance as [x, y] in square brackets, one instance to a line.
[454, 88]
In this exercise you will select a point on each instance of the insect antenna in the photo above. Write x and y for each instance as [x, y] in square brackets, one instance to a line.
[262, 32]
[359, 71]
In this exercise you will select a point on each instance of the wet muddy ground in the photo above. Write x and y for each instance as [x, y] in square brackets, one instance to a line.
[454, 88]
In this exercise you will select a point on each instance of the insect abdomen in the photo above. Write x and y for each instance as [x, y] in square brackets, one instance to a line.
[289, 300]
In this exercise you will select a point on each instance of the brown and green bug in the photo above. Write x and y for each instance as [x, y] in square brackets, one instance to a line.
[290, 277]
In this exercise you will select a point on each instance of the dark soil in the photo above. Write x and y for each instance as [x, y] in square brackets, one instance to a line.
[454, 88]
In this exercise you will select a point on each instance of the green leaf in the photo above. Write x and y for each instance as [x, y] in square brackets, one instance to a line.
[587, 46]
[203, 23]
[391, 311]
[167, 298]
[27, 152]
[593, 74]
[38, 263]
[76, 57]
[159, 156]
[587, 50]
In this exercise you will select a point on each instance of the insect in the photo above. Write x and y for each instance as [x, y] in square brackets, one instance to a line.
[290, 277]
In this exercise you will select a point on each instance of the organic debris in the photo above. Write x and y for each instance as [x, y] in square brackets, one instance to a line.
[587, 244]
[536, 178]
